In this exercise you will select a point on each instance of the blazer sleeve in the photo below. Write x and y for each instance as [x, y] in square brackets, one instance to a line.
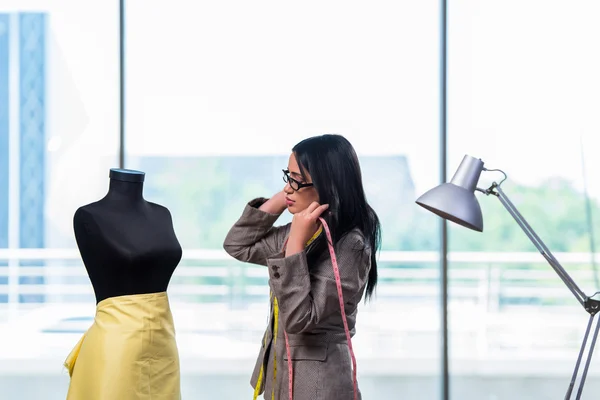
[253, 238]
[307, 298]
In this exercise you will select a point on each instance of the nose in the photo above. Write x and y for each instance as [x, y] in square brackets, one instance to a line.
[288, 189]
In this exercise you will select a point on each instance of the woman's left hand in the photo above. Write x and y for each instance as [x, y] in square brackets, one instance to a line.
[306, 223]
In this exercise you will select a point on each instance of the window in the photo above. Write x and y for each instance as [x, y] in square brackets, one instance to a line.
[59, 131]
[523, 87]
[217, 95]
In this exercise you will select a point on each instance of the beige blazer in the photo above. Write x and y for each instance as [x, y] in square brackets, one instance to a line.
[309, 308]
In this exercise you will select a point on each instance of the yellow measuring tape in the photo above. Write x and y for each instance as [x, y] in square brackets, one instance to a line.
[275, 330]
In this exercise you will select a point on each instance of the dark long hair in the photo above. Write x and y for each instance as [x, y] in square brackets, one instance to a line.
[335, 171]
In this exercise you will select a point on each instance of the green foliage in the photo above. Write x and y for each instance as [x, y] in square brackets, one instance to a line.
[554, 209]
[206, 196]
[205, 202]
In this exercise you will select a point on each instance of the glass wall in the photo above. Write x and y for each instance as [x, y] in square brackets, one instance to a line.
[217, 95]
[59, 133]
[523, 97]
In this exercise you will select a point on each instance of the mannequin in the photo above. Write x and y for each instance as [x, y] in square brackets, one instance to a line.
[127, 244]
[130, 251]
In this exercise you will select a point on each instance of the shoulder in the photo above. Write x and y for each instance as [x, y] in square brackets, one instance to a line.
[351, 248]
[157, 208]
[354, 240]
[87, 210]
[84, 221]
[81, 212]
[353, 258]
[85, 213]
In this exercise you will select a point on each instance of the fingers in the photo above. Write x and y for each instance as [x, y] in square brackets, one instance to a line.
[314, 210]
[312, 207]
[318, 211]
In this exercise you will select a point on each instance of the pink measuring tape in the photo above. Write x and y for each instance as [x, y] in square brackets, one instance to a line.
[338, 283]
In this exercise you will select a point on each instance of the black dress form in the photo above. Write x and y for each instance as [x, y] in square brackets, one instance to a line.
[128, 245]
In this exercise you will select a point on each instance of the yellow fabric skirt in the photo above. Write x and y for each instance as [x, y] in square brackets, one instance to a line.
[129, 352]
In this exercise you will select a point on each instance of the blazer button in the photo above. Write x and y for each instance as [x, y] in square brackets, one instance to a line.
[276, 275]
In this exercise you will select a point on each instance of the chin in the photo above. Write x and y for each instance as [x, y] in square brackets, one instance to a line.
[292, 209]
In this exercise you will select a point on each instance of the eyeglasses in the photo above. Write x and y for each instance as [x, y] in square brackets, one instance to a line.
[294, 184]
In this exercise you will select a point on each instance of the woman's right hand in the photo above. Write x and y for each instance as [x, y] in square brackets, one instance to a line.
[275, 205]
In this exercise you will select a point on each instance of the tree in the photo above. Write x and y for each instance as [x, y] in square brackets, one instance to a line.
[554, 209]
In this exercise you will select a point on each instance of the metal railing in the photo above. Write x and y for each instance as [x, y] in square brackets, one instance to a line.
[504, 306]
[490, 279]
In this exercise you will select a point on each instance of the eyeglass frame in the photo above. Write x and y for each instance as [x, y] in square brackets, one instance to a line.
[289, 180]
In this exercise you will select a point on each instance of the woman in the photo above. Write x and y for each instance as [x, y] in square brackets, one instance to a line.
[323, 179]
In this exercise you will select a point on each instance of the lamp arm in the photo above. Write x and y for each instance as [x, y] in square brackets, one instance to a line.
[591, 307]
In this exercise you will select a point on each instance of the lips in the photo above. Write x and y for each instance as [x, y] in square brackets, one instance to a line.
[288, 201]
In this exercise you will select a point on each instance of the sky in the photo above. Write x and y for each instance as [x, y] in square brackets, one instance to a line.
[522, 86]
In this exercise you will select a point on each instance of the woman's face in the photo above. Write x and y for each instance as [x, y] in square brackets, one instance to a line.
[299, 191]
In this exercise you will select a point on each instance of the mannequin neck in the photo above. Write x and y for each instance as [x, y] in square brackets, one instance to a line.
[125, 192]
